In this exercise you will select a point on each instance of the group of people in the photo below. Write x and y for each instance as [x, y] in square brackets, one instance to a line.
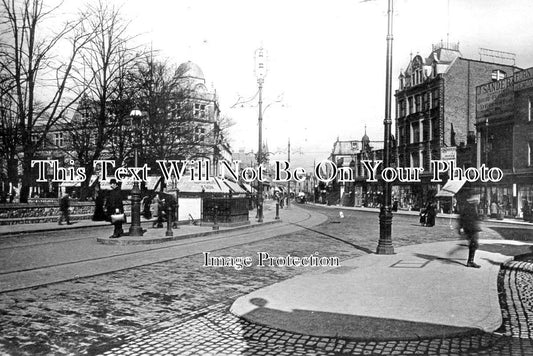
[111, 208]
[162, 202]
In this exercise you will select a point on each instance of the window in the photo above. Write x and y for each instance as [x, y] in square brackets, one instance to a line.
[58, 139]
[418, 103]
[529, 109]
[199, 110]
[401, 108]
[498, 74]
[411, 105]
[425, 101]
[401, 139]
[415, 159]
[426, 130]
[415, 132]
[529, 148]
[435, 99]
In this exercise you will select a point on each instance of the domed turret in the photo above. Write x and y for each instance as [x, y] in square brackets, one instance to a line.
[191, 70]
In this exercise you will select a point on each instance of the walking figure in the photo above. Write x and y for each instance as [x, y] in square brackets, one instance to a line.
[64, 205]
[469, 222]
[114, 206]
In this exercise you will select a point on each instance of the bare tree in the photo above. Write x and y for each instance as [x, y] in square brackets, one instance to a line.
[9, 131]
[106, 63]
[167, 132]
[31, 65]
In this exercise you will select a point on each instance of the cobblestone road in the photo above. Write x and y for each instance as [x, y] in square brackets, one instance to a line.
[215, 331]
[186, 303]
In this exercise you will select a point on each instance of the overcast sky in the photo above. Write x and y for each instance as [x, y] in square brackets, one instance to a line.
[326, 57]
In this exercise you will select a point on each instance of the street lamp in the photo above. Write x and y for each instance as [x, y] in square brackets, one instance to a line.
[289, 181]
[260, 73]
[385, 215]
[135, 228]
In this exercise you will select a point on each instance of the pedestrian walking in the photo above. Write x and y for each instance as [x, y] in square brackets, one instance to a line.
[161, 212]
[494, 209]
[431, 213]
[64, 206]
[469, 223]
[115, 207]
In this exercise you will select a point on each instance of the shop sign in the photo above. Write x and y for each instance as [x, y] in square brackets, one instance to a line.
[523, 79]
[494, 98]
[448, 154]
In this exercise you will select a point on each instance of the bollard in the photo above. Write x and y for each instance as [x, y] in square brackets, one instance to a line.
[215, 223]
[169, 221]
[277, 211]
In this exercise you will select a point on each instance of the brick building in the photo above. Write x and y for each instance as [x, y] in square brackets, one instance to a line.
[436, 110]
[504, 125]
[356, 191]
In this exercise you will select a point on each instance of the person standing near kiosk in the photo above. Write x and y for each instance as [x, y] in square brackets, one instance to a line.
[114, 208]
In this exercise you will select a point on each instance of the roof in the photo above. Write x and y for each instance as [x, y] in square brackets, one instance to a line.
[190, 70]
[346, 147]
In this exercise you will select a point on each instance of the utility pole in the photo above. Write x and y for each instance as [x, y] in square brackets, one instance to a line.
[289, 181]
[385, 215]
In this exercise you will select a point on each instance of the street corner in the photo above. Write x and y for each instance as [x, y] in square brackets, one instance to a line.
[511, 249]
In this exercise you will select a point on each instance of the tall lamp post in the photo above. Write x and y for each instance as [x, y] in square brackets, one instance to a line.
[135, 228]
[385, 215]
[289, 181]
[260, 73]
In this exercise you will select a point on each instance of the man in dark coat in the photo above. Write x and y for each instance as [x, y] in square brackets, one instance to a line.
[431, 213]
[114, 206]
[469, 222]
[64, 205]
[99, 212]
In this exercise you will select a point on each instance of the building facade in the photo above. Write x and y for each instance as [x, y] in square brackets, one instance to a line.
[436, 112]
[354, 189]
[504, 127]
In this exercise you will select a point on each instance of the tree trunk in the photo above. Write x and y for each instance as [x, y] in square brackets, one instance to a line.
[27, 178]
[85, 188]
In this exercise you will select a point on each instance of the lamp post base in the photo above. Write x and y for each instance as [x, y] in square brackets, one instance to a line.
[385, 232]
[260, 212]
[135, 231]
[135, 227]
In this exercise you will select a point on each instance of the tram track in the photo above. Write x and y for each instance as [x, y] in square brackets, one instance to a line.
[268, 230]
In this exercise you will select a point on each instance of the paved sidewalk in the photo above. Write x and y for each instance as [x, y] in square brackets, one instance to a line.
[421, 291]
[17, 229]
[417, 213]
[187, 231]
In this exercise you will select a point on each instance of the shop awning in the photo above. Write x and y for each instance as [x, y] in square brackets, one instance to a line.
[249, 188]
[235, 187]
[152, 182]
[450, 188]
[213, 185]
